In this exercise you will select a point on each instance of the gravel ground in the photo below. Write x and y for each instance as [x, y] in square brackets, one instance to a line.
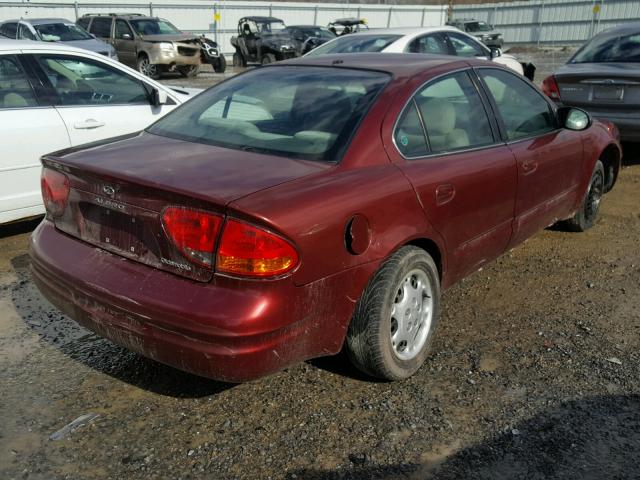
[533, 374]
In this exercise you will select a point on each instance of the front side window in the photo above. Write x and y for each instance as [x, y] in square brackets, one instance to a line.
[465, 46]
[300, 112]
[15, 90]
[433, 43]
[453, 115]
[122, 29]
[355, 44]
[101, 27]
[523, 110]
[86, 82]
[153, 26]
[61, 32]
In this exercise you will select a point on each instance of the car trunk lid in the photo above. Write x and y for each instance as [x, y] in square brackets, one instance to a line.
[119, 191]
[599, 85]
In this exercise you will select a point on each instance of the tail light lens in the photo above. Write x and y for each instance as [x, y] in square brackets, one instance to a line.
[250, 251]
[55, 191]
[550, 88]
[193, 232]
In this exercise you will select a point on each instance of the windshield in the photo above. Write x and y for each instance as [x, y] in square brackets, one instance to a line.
[152, 26]
[61, 32]
[270, 27]
[318, 32]
[301, 112]
[355, 44]
[477, 27]
[610, 49]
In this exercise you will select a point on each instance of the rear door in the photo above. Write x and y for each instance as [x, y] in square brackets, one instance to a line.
[464, 176]
[29, 128]
[549, 158]
[97, 100]
[101, 28]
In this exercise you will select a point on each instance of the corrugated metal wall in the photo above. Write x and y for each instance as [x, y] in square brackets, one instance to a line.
[194, 16]
[552, 21]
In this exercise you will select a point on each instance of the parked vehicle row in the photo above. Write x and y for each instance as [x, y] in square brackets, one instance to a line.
[53, 96]
[310, 205]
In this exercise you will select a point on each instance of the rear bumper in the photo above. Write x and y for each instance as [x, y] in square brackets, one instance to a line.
[229, 329]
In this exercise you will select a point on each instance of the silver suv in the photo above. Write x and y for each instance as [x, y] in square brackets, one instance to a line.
[150, 44]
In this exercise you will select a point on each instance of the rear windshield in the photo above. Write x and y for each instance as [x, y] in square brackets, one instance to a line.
[355, 44]
[61, 32]
[610, 49]
[293, 111]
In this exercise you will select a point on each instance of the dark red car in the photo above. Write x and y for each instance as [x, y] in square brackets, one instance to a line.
[310, 205]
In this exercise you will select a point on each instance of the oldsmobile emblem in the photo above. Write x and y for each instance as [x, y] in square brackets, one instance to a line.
[108, 190]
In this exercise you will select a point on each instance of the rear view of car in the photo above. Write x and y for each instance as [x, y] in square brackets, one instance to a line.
[603, 77]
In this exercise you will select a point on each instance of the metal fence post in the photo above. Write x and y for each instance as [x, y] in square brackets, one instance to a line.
[315, 15]
[150, 9]
[358, 13]
[389, 17]
[424, 11]
[215, 22]
[75, 8]
[271, 10]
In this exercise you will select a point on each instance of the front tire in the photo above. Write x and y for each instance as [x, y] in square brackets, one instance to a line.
[189, 71]
[145, 67]
[221, 64]
[238, 60]
[587, 214]
[394, 321]
[268, 58]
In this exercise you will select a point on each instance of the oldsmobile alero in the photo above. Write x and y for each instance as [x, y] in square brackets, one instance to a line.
[312, 205]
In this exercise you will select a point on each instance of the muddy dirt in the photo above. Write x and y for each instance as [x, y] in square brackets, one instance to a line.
[533, 374]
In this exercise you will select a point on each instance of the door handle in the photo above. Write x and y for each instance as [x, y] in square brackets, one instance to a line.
[88, 124]
[529, 166]
[445, 193]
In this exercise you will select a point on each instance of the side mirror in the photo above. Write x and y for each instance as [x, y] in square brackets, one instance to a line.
[496, 52]
[574, 118]
[126, 36]
[158, 97]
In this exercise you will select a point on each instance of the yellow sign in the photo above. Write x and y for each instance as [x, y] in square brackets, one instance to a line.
[217, 17]
[596, 9]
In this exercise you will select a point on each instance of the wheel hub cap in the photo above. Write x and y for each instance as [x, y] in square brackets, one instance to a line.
[411, 315]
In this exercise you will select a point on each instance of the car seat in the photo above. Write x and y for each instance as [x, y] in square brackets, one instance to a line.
[440, 119]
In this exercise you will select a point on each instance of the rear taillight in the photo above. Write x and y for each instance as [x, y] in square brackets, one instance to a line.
[550, 88]
[55, 191]
[251, 251]
[193, 232]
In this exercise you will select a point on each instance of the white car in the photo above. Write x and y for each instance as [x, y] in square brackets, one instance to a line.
[435, 40]
[54, 96]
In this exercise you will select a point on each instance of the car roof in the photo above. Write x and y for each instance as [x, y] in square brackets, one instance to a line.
[398, 64]
[306, 26]
[38, 21]
[10, 44]
[633, 27]
[405, 31]
[262, 19]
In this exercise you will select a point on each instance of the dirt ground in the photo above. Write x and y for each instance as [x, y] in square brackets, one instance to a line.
[533, 374]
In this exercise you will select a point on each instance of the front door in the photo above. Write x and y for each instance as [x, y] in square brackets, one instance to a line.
[125, 44]
[548, 157]
[97, 101]
[464, 176]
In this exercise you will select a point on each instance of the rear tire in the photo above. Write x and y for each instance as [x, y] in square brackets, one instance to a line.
[268, 58]
[587, 214]
[394, 321]
[238, 60]
[189, 71]
[145, 67]
[221, 64]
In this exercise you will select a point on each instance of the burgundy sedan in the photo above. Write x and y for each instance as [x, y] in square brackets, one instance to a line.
[312, 205]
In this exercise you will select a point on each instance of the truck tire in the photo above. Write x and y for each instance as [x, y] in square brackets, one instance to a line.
[587, 213]
[268, 58]
[221, 65]
[238, 60]
[189, 71]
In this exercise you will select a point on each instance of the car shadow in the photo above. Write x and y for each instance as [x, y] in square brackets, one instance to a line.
[630, 154]
[341, 365]
[20, 227]
[85, 347]
[588, 439]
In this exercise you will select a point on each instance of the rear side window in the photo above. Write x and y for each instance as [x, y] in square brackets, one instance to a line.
[101, 27]
[429, 44]
[300, 112]
[409, 134]
[524, 111]
[9, 30]
[355, 44]
[84, 22]
[15, 90]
